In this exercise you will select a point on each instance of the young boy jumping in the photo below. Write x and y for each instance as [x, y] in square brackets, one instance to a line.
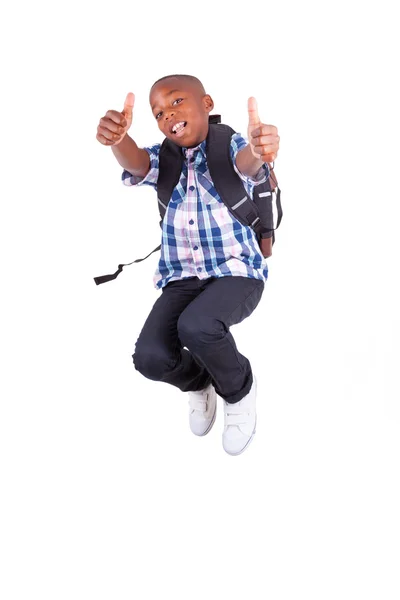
[212, 270]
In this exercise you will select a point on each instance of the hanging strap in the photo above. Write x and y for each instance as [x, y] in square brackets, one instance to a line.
[105, 278]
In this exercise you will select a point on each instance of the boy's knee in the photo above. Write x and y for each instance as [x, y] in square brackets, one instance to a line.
[199, 329]
[152, 363]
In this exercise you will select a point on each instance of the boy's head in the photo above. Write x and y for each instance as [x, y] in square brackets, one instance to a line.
[178, 99]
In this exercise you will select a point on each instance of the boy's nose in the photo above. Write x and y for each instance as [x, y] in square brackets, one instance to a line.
[168, 116]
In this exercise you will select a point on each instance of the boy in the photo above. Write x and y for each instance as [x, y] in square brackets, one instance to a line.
[212, 271]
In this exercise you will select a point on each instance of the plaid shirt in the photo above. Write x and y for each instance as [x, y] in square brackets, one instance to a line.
[200, 237]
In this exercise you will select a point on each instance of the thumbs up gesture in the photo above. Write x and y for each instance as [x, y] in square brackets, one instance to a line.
[263, 139]
[113, 127]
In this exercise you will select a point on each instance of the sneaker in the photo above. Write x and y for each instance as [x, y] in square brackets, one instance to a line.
[240, 422]
[202, 410]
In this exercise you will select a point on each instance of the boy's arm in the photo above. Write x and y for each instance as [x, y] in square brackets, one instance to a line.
[133, 159]
[249, 166]
[247, 163]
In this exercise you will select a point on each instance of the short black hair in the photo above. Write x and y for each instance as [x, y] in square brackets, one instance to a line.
[189, 78]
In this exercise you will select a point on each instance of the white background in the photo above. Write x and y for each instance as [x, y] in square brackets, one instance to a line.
[105, 491]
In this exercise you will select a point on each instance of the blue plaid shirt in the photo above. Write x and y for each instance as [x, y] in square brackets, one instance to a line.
[200, 237]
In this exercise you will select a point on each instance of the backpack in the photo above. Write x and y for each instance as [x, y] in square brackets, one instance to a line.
[256, 213]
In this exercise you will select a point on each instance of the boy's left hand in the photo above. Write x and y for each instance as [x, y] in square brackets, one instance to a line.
[263, 139]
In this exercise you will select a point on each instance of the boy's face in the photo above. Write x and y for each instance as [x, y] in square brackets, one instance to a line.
[173, 102]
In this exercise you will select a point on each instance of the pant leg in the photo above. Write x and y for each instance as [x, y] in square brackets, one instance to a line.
[203, 328]
[159, 354]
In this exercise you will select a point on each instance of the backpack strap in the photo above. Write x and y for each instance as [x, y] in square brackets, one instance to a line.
[275, 189]
[263, 197]
[170, 168]
[227, 182]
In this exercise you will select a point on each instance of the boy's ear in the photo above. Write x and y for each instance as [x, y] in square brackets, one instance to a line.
[208, 102]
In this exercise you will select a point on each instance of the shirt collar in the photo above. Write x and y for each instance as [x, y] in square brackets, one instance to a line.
[188, 152]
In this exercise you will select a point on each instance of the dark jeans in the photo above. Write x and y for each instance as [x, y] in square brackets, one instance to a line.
[186, 341]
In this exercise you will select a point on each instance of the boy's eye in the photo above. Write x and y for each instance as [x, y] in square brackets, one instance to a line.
[179, 100]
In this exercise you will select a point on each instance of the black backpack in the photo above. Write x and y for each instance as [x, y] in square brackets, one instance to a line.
[256, 213]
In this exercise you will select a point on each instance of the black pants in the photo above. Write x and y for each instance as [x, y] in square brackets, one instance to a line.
[186, 341]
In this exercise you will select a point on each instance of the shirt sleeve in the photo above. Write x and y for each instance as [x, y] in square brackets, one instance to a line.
[151, 177]
[238, 142]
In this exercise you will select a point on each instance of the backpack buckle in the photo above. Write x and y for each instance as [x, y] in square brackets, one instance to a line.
[255, 222]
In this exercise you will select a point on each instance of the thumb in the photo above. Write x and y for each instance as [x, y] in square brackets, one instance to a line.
[254, 119]
[128, 106]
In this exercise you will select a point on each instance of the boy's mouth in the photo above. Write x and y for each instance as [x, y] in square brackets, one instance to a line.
[178, 129]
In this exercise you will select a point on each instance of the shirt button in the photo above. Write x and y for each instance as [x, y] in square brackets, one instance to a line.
[199, 268]
[191, 222]
[192, 159]
[191, 188]
[195, 247]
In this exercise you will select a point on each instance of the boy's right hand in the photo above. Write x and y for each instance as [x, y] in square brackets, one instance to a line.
[113, 127]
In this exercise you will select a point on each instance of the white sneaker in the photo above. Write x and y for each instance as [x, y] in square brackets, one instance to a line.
[240, 422]
[202, 410]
